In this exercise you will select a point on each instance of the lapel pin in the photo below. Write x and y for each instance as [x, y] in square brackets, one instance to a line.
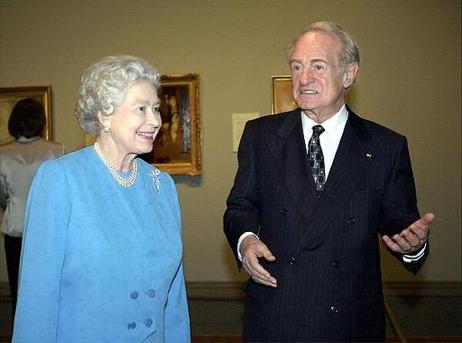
[368, 155]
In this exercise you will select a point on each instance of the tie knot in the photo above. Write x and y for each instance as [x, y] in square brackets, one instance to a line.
[317, 130]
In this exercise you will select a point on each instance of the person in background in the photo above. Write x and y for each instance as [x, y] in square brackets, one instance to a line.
[314, 188]
[102, 251]
[19, 161]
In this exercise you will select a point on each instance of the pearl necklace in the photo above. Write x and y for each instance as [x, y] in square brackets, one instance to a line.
[128, 182]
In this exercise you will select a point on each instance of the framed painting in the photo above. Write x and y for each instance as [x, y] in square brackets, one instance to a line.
[282, 94]
[8, 98]
[177, 148]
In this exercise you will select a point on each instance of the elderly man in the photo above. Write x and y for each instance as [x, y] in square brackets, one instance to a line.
[314, 188]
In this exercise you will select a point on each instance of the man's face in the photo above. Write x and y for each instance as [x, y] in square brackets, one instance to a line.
[318, 83]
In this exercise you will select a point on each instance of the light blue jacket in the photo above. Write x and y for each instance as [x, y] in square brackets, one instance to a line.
[101, 262]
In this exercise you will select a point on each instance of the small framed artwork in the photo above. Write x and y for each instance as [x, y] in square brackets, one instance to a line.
[177, 148]
[282, 94]
[9, 96]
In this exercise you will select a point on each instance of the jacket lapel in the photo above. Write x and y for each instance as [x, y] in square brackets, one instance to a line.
[287, 147]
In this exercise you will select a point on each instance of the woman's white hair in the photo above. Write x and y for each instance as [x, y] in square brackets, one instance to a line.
[104, 85]
[350, 52]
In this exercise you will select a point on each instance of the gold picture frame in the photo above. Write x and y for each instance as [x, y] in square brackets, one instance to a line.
[282, 94]
[177, 148]
[9, 96]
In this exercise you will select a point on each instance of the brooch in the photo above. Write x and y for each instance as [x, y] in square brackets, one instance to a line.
[155, 177]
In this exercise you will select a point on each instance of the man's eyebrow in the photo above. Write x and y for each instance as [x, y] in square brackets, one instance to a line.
[314, 60]
[295, 60]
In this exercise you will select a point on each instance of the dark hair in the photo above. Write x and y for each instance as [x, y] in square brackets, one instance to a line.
[27, 119]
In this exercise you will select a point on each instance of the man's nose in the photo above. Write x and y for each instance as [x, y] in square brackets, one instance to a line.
[306, 76]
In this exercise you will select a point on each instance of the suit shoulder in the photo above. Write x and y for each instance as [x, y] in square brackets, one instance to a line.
[271, 120]
[380, 129]
[377, 131]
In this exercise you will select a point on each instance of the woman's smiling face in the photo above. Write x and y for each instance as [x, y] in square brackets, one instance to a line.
[136, 122]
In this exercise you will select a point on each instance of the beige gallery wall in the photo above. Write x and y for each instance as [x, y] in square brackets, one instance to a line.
[409, 81]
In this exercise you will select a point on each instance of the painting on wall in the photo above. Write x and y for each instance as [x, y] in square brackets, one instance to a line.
[9, 96]
[177, 148]
[282, 94]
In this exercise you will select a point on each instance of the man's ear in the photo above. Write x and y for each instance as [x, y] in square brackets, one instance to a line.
[349, 75]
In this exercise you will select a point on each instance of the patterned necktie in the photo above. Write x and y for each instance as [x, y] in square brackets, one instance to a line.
[316, 158]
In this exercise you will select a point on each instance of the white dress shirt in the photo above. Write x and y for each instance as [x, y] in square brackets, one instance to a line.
[330, 138]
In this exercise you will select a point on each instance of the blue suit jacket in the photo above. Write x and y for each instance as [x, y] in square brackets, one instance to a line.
[326, 244]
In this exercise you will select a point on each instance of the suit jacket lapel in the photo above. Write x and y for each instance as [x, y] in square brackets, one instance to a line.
[351, 161]
[289, 154]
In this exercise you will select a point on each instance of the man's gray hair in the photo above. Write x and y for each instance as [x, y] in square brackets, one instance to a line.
[104, 85]
[350, 52]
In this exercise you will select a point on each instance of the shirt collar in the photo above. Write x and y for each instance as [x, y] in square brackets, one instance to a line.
[23, 139]
[332, 126]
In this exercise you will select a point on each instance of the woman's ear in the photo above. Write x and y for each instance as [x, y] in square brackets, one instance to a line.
[349, 75]
[104, 121]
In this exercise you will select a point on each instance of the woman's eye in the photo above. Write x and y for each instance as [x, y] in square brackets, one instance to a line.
[142, 109]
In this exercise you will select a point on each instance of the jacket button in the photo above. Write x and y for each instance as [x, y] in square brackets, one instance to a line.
[131, 326]
[334, 263]
[284, 211]
[148, 322]
[292, 260]
[350, 220]
[334, 309]
[151, 293]
[134, 295]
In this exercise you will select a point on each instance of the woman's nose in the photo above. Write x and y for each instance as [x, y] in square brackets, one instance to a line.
[154, 118]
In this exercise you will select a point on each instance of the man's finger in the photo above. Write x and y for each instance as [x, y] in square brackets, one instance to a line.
[268, 255]
[427, 218]
[391, 244]
[265, 282]
[253, 266]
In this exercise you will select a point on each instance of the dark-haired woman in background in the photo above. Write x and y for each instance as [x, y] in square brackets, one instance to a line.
[19, 160]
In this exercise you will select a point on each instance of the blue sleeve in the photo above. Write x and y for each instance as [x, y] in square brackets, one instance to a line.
[42, 258]
[177, 327]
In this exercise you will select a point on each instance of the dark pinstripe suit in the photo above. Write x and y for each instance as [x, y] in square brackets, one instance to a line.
[326, 244]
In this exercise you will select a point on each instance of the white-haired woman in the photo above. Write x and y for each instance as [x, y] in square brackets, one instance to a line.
[102, 253]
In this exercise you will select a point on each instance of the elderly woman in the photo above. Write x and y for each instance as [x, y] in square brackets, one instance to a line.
[102, 252]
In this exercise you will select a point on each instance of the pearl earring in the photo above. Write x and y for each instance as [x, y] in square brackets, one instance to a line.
[106, 128]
